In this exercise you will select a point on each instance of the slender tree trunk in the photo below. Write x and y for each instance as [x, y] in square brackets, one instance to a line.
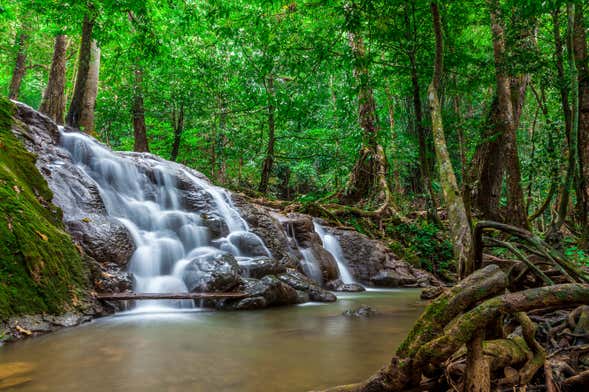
[84, 60]
[269, 159]
[507, 116]
[178, 125]
[581, 114]
[565, 185]
[89, 101]
[20, 66]
[459, 224]
[53, 103]
[139, 128]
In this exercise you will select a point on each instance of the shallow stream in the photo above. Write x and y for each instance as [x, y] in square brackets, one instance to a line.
[296, 348]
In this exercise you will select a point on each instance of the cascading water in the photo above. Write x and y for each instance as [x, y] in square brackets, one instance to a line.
[331, 244]
[146, 198]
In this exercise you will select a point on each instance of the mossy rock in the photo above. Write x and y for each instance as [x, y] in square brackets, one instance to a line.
[41, 270]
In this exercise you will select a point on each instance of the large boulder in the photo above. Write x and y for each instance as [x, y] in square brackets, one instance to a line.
[248, 244]
[105, 239]
[211, 272]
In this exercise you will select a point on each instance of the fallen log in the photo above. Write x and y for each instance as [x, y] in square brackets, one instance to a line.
[146, 296]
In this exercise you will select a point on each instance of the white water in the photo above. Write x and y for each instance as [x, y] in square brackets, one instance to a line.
[147, 200]
[331, 244]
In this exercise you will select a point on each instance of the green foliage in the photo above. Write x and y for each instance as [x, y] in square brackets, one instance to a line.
[575, 253]
[422, 244]
[41, 271]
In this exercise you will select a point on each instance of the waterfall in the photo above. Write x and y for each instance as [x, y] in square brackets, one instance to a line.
[331, 244]
[143, 193]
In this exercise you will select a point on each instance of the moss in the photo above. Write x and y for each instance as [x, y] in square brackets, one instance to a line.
[41, 270]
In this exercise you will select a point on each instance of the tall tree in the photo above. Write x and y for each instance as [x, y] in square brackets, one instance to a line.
[581, 112]
[84, 60]
[269, 158]
[138, 112]
[460, 229]
[89, 101]
[20, 64]
[367, 181]
[53, 103]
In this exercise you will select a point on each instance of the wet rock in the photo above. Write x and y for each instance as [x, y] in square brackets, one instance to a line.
[268, 291]
[301, 282]
[267, 225]
[373, 263]
[431, 292]
[109, 277]
[364, 311]
[251, 303]
[259, 267]
[248, 244]
[105, 239]
[211, 272]
[338, 285]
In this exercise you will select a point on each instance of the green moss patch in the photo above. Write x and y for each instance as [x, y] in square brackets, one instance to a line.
[41, 270]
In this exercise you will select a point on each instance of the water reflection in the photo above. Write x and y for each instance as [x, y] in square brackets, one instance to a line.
[284, 349]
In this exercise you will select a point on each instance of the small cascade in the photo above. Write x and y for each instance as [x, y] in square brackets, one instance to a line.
[144, 194]
[331, 244]
[309, 263]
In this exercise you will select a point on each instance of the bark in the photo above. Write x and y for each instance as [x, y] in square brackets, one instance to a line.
[478, 372]
[507, 115]
[460, 229]
[269, 159]
[178, 126]
[20, 66]
[53, 103]
[139, 127]
[84, 59]
[581, 114]
[367, 182]
[89, 100]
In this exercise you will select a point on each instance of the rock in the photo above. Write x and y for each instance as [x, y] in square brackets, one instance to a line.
[267, 224]
[431, 292]
[105, 239]
[211, 272]
[301, 282]
[248, 244]
[338, 285]
[364, 311]
[320, 295]
[259, 267]
[109, 277]
[268, 291]
[373, 263]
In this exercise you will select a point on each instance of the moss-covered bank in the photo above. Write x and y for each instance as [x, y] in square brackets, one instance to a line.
[41, 270]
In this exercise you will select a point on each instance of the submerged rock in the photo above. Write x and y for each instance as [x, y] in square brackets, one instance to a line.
[363, 311]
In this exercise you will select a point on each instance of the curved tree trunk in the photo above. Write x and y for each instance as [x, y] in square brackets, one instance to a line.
[84, 60]
[53, 103]
[460, 229]
[178, 125]
[89, 101]
[20, 66]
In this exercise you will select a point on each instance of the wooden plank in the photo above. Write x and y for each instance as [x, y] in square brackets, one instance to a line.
[144, 296]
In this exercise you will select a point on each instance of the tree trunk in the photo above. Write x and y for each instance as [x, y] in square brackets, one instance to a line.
[178, 125]
[139, 128]
[565, 184]
[367, 181]
[507, 115]
[459, 224]
[53, 103]
[89, 101]
[582, 115]
[269, 159]
[20, 66]
[85, 56]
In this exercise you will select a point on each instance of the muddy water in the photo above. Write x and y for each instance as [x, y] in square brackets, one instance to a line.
[284, 349]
